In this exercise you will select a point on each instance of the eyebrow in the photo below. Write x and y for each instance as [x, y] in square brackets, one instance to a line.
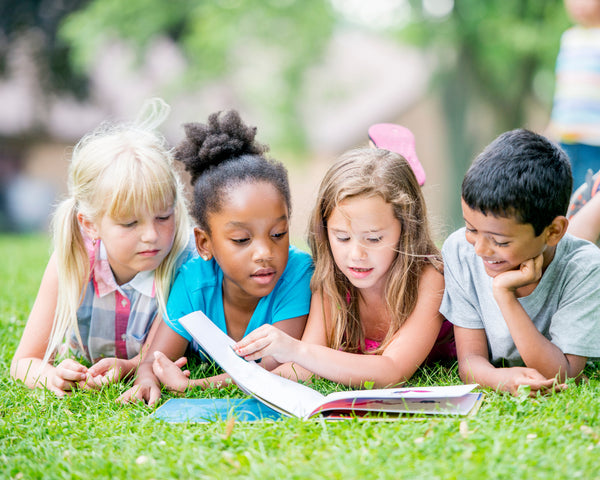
[234, 223]
[343, 230]
[486, 232]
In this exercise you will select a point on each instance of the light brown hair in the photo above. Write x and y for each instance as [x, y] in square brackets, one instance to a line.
[370, 172]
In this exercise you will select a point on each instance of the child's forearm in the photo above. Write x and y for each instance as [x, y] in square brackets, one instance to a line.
[33, 372]
[586, 224]
[351, 369]
[477, 369]
[145, 374]
[216, 381]
[293, 371]
[535, 349]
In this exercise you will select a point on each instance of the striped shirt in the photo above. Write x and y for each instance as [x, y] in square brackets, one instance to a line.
[576, 109]
[114, 320]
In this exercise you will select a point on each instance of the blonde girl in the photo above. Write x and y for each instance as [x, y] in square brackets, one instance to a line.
[118, 237]
[378, 280]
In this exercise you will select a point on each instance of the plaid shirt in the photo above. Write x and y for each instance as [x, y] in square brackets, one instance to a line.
[114, 320]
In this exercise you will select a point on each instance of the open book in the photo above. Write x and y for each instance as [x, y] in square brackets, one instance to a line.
[294, 399]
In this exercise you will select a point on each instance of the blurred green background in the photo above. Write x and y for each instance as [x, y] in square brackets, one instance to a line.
[312, 75]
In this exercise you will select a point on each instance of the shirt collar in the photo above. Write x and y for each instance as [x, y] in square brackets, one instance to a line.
[104, 279]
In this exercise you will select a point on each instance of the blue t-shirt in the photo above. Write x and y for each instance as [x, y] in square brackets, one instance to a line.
[199, 286]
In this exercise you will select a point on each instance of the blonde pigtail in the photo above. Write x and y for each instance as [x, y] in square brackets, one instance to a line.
[73, 272]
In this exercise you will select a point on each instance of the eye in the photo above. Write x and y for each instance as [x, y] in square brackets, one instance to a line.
[500, 244]
[279, 235]
[374, 239]
[129, 224]
[342, 238]
[164, 218]
[240, 241]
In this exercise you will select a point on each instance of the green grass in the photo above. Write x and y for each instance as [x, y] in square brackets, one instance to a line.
[88, 435]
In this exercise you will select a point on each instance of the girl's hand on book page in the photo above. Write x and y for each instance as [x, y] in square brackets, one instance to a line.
[169, 373]
[267, 340]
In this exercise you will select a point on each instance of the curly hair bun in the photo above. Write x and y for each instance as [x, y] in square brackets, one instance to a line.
[223, 138]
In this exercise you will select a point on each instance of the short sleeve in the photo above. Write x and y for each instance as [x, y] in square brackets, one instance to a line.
[293, 297]
[178, 305]
[459, 301]
[575, 326]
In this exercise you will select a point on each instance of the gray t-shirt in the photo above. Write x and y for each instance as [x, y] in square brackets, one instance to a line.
[565, 306]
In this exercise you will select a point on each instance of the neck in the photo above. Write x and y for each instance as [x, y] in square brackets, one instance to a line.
[548, 257]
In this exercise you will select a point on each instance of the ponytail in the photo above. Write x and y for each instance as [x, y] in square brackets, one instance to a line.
[73, 272]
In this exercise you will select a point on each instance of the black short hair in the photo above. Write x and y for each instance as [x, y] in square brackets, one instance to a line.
[221, 154]
[520, 174]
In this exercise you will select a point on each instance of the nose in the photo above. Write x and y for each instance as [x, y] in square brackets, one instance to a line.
[150, 233]
[358, 252]
[482, 246]
[262, 251]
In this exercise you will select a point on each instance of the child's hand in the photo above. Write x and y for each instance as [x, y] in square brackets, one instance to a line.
[266, 340]
[518, 376]
[529, 272]
[109, 370]
[169, 373]
[146, 390]
[66, 375]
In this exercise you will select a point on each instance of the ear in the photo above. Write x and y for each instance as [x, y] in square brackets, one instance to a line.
[88, 227]
[203, 243]
[556, 230]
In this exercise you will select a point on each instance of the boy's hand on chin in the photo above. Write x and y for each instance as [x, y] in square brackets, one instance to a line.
[528, 273]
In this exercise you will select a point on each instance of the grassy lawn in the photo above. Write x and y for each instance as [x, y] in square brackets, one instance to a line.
[87, 435]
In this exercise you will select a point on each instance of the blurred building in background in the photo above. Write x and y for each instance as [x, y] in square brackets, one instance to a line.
[362, 75]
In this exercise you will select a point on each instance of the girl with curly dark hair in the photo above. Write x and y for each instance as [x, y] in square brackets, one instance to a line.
[247, 274]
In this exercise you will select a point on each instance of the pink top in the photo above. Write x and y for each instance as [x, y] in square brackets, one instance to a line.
[443, 349]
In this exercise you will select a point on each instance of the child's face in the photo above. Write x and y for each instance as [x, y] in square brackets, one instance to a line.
[249, 240]
[584, 12]
[138, 243]
[502, 243]
[364, 234]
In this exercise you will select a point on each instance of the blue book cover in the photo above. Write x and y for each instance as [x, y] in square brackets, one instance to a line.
[205, 410]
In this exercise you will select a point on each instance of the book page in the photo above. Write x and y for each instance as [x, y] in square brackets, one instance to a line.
[287, 396]
[442, 400]
[436, 392]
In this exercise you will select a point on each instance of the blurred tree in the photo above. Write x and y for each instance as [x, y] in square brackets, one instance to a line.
[216, 37]
[495, 57]
[39, 21]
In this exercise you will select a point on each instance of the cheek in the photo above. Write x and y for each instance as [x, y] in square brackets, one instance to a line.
[469, 238]
[168, 230]
[336, 250]
[386, 256]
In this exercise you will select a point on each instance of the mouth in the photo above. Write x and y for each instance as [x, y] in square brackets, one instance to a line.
[264, 276]
[149, 253]
[493, 264]
[360, 272]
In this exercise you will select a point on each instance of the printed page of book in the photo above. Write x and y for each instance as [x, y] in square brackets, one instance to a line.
[435, 392]
[286, 396]
[444, 400]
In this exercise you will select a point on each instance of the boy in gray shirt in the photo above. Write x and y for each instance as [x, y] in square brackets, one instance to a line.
[523, 295]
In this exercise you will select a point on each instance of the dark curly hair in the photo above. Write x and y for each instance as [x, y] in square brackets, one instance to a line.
[222, 154]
